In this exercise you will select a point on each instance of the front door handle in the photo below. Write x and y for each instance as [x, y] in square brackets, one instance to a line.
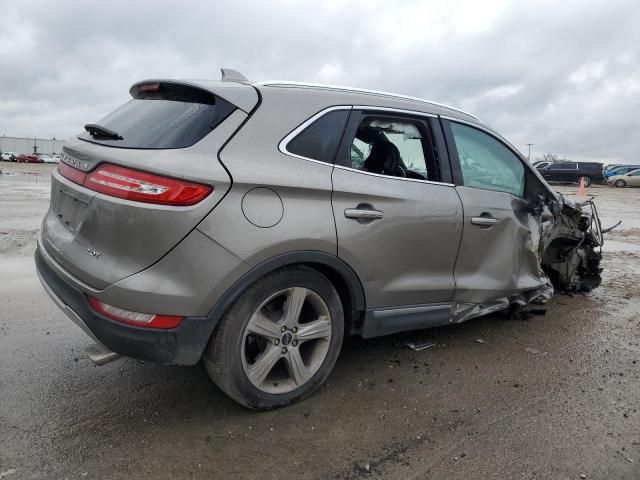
[363, 213]
[484, 221]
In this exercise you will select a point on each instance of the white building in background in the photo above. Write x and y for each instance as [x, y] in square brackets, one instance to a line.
[30, 145]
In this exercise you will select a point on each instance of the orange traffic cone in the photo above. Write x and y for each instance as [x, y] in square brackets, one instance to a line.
[581, 190]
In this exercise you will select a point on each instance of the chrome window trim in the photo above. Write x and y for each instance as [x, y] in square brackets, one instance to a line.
[282, 146]
[285, 83]
[392, 177]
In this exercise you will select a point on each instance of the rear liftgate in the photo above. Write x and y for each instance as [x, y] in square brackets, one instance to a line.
[136, 183]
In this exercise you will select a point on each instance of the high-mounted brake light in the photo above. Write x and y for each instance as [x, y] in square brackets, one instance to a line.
[149, 87]
[134, 318]
[137, 186]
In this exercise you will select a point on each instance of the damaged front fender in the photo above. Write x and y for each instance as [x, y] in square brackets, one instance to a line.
[562, 251]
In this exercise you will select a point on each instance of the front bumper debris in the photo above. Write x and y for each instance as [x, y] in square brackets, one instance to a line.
[571, 247]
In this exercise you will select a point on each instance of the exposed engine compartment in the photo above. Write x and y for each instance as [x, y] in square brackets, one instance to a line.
[571, 246]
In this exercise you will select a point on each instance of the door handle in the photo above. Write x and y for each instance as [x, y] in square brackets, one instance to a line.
[363, 214]
[484, 221]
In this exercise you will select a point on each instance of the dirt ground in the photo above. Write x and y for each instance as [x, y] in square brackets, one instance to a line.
[554, 397]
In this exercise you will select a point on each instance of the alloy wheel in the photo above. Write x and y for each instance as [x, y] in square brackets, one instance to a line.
[286, 340]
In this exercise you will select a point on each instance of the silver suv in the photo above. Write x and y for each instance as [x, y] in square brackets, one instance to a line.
[254, 225]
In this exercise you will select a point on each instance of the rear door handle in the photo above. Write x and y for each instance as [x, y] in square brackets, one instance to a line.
[363, 214]
[484, 221]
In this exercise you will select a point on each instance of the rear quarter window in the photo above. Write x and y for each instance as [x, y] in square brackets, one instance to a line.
[320, 140]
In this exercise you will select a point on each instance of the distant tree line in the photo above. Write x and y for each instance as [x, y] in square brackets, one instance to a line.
[551, 157]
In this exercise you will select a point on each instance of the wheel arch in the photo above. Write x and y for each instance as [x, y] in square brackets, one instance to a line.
[340, 274]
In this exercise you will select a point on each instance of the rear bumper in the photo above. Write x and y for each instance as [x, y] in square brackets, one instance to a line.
[183, 345]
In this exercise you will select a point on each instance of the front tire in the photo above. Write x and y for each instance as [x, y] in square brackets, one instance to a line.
[586, 180]
[620, 184]
[279, 341]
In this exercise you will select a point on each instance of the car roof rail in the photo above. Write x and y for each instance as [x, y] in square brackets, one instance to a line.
[365, 91]
[229, 75]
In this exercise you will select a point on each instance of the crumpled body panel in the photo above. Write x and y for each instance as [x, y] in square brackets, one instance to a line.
[532, 251]
[501, 259]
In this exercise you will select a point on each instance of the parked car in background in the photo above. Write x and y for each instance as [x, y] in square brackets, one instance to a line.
[572, 172]
[9, 156]
[28, 159]
[629, 179]
[542, 164]
[620, 170]
[48, 158]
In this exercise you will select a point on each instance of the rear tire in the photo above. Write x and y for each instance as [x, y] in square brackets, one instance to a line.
[586, 180]
[289, 324]
[620, 183]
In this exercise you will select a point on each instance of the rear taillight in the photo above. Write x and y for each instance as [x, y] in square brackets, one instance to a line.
[137, 186]
[71, 173]
[134, 318]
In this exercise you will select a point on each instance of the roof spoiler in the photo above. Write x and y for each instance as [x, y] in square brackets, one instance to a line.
[229, 75]
[240, 94]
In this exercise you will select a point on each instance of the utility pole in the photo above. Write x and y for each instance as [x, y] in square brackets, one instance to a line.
[529, 156]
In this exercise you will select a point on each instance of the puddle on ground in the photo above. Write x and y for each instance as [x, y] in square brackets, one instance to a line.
[626, 224]
[25, 177]
[617, 246]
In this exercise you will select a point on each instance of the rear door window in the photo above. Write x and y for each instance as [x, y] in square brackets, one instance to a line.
[162, 116]
[393, 146]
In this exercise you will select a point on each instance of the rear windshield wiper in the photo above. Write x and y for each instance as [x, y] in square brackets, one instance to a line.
[98, 131]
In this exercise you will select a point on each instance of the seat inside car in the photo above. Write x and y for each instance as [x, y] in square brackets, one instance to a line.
[384, 158]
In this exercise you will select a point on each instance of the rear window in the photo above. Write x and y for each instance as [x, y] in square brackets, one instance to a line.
[162, 116]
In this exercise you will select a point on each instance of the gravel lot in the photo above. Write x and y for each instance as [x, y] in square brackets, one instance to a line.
[557, 396]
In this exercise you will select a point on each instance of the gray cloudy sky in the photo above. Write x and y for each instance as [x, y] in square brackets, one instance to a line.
[564, 75]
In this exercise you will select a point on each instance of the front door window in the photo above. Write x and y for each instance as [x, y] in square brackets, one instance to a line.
[486, 163]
